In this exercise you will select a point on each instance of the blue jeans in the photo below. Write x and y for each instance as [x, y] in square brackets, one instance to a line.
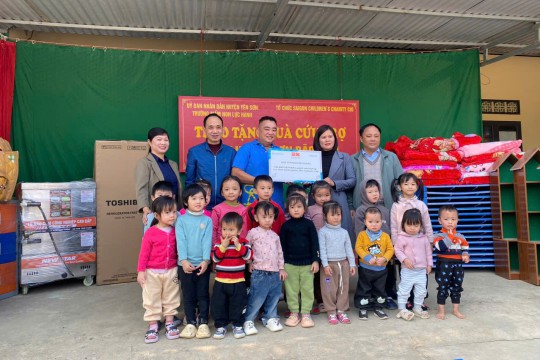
[265, 290]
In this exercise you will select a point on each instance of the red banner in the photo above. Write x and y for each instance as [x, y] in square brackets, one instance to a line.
[297, 121]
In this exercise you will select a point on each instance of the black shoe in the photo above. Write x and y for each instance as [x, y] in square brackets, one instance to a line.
[425, 307]
[390, 304]
[177, 322]
[362, 314]
[380, 314]
[409, 306]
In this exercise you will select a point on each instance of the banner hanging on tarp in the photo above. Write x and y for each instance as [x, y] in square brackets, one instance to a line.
[297, 121]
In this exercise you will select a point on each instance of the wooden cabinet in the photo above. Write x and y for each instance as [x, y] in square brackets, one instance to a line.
[504, 217]
[527, 187]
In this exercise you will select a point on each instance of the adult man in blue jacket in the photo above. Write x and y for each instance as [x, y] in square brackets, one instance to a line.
[212, 160]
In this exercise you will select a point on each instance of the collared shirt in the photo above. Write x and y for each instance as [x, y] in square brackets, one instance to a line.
[373, 156]
[168, 173]
[253, 159]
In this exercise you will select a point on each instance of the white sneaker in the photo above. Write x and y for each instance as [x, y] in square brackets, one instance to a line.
[274, 325]
[249, 328]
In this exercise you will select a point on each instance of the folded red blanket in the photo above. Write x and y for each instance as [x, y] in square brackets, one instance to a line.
[432, 156]
[437, 174]
[422, 163]
[439, 182]
[467, 139]
[475, 180]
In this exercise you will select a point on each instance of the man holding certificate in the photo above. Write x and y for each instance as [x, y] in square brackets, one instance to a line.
[252, 160]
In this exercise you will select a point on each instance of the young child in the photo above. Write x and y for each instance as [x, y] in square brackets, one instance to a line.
[300, 190]
[404, 195]
[322, 193]
[374, 249]
[268, 270]
[452, 251]
[231, 190]
[194, 243]
[157, 273]
[414, 251]
[161, 188]
[263, 186]
[229, 297]
[207, 186]
[370, 196]
[338, 261]
[300, 245]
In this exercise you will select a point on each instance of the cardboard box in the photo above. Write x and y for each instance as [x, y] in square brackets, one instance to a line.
[66, 205]
[119, 230]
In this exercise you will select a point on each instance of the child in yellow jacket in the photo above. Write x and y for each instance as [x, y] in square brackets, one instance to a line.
[374, 249]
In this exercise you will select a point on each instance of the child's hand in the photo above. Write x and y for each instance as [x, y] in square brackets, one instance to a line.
[146, 211]
[282, 275]
[465, 258]
[408, 264]
[372, 261]
[353, 270]
[315, 267]
[187, 267]
[202, 267]
[327, 271]
[250, 267]
[428, 269]
[141, 278]
[235, 241]
[353, 214]
[225, 241]
[381, 261]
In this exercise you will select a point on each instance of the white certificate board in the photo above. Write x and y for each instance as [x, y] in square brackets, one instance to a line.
[295, 165]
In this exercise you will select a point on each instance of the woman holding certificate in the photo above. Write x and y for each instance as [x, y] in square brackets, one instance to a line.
[338, 172]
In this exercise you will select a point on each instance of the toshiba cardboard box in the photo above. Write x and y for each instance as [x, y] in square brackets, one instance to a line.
[119, 226]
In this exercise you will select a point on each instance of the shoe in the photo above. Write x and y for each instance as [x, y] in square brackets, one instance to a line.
[177, 322]
[421, 313]
[238, 332]
[307, 321]
[249, 328]
[390, 304]
[315, 310]
[151, 336]
[380, 314]
[409, 306]
[343, 318]
[171, 332]
[203, 332]
[292, 320]
[287, 313]
[332, 319]
[274, 325]
[362, 314]
[425, 307]
[322, 308]
[220, 333]
[189, 332]
[405, 314]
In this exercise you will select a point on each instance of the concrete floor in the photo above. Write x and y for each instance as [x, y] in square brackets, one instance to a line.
[67, 320]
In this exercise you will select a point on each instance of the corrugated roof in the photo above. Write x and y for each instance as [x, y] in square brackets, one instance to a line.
[347, 23]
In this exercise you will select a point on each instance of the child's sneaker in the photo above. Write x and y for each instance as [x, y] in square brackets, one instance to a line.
[405, 314]
[362, 314]
[380, 314]
[343, 318]
[390, 304]
[292, 320]
[274, 325]
[332, 319]
[249, 328]
[307, 321]
[422, 314]
[238, 332]
[171, 332]
[203, 332]
[220, 333]
[189, 332]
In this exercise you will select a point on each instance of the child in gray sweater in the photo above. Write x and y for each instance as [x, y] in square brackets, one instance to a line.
[337, 259]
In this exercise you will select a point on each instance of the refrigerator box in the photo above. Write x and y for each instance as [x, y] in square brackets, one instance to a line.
[65, 205]
[119, 229]
[73, 241]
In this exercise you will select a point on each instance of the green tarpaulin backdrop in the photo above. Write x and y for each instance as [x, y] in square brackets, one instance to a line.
[68, 97]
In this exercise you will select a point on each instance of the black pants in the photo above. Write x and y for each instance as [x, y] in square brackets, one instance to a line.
[228, 303]
[449, 276]
[195, 295]
[370, 289]
[390, 286]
